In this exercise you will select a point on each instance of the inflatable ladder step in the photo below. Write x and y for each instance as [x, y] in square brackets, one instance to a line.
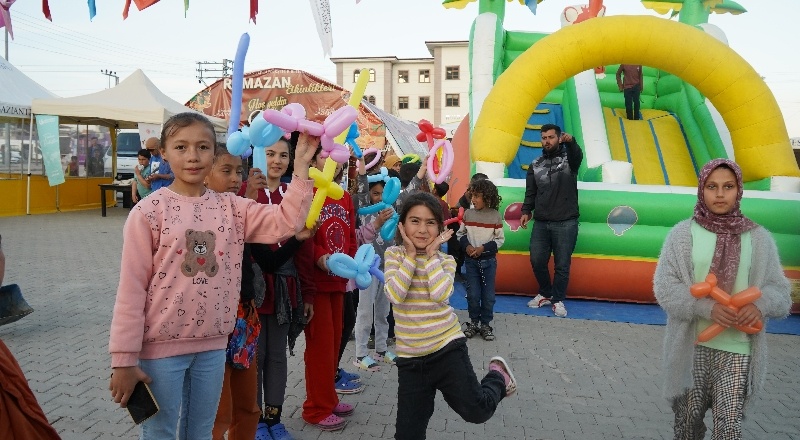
[542, 111]
[533, 126]
[531, 144]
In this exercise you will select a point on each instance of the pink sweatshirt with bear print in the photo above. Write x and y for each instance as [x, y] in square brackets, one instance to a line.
[181, 268]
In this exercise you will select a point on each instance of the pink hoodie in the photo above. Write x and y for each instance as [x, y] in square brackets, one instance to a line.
[181, 268]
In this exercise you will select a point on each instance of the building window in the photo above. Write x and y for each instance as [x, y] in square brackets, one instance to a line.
[371, 99]
[355, 75]
[452, 72]
[451, 100]
[402, 76]
[371, 75]
[425, 76]
[402, 103]
[424, 102]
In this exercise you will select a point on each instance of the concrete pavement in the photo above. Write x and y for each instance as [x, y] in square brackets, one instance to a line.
[577, 379]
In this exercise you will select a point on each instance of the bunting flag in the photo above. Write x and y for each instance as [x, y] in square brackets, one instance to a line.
[92, 10]
[46, 10]
[5, 16]
[253, 10]
[322, 16]
[531, 4]
[142, 4]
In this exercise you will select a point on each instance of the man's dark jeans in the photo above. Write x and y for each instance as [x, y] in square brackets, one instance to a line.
[632, 102]
[448, 370]
[558, 238]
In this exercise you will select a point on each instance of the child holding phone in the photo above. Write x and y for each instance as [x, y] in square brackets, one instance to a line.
[181, 276]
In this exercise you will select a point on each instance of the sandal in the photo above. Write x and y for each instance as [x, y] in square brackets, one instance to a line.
[343, 409]
[386, 357]
[348, 377]
[262, 432]
[331, 423]
[344, 387]
[279, 432]
[367, 363]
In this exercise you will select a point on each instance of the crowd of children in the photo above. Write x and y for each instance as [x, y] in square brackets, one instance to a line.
[209, 248]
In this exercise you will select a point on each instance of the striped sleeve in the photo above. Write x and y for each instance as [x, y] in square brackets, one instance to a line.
[398, 273]
[441, 273]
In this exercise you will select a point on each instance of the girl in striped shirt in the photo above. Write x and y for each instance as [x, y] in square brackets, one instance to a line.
[431, 348]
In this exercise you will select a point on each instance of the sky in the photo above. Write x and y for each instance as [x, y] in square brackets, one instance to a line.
[67, 55]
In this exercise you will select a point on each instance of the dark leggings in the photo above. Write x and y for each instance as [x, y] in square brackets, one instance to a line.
[348, 322]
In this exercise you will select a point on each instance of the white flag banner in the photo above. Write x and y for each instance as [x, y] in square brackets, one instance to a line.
[322, 16]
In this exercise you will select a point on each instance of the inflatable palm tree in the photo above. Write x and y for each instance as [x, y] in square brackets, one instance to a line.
[694, 12]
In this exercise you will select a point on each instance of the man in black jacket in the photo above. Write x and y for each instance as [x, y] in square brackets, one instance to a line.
[551, 194]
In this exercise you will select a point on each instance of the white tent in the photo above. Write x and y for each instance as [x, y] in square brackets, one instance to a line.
[136, 99]
[17, 91]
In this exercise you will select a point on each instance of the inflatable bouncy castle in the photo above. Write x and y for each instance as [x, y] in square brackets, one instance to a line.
[700, 100]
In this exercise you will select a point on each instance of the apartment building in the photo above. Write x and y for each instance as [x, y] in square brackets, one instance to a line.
[434, 88]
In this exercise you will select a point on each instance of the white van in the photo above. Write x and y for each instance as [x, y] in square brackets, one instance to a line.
[128, 146]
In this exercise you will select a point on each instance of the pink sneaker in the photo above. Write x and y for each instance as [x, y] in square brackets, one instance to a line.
[331, 423]
[343, 409]
[501, 366]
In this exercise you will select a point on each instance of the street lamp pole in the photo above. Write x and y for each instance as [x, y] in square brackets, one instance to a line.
[110, 74]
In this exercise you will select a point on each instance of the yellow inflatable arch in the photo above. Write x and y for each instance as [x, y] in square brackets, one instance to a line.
[758, 132]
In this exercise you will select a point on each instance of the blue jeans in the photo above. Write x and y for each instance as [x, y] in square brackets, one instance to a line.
[558, 238]
[480, 288]
[187, 389]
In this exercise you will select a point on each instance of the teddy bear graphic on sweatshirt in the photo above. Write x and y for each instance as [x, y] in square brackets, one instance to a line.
[200, 253]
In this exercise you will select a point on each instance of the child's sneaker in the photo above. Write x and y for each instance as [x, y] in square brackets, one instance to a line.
[331, 423]
[559, 310]
[471, 329]
[371, 342]
[345, 387]
[348, 377]
[538, 301]
[501, 366]
[486, 332]
[367, 363]
[386, 357]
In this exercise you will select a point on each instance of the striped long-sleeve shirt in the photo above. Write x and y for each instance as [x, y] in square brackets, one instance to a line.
[419, 288]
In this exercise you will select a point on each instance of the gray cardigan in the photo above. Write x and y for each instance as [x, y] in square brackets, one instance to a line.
[673, 277]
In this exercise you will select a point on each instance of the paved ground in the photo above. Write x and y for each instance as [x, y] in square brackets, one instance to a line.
[578, 379]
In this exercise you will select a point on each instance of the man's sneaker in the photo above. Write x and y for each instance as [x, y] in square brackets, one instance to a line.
[501, 366]
[486, 332]
[559, 310]
[344, 387]
[471, 329]
[538, 301]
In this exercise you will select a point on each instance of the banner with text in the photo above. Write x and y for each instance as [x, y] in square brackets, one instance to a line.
[47, 127]
[274, 88]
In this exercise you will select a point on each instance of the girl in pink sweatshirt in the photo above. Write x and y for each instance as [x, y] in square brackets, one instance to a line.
[181, 276]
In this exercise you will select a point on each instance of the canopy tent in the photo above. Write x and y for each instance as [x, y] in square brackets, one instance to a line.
[17, 91]
[136, 99]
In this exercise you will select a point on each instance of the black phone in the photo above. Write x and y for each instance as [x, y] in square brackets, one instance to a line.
[142, 405]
